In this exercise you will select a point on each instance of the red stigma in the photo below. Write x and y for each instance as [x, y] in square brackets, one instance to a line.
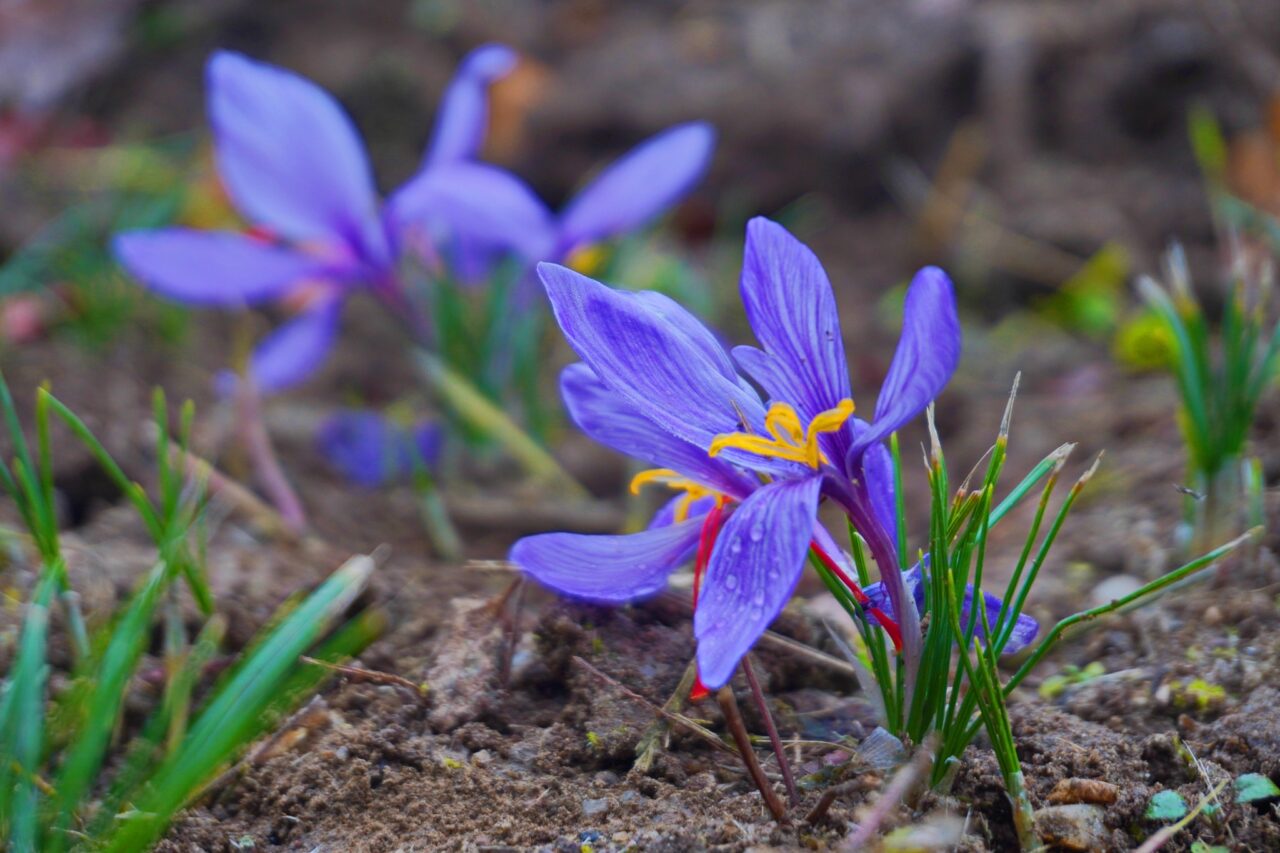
[706, 541]
[890, 627]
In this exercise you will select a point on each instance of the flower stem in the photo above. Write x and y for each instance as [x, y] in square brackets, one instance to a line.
[253, 432]
[779, 751]
[733, 719]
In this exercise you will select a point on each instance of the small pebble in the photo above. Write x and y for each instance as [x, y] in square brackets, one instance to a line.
[1072, 827]
[591, 808]
[1084, 791]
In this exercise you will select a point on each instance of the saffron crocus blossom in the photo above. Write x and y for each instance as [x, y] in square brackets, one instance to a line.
[295, 168]
[626, 195]
[671, 377]
[371, 450]
[680, 391]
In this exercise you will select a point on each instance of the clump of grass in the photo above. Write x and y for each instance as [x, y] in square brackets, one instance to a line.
[959, 689]
[58, 790]
[1223, 369]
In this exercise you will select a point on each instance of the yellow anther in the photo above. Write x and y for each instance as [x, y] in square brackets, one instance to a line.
[587, 259]
[791, 440]
[673, 480]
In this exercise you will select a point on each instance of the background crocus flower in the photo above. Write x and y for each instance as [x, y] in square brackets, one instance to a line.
[625, 196]
[296, 169]
[370, 449]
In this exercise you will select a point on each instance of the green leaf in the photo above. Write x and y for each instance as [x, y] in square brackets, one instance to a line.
[1254, 787]
[1166, 806]
[1199, 846]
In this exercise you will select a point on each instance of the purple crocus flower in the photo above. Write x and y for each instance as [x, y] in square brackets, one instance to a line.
[669, 372]
[371, 450]
[295, 168]
[626, 195]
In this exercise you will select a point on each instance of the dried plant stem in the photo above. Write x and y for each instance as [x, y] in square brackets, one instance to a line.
[733, 719]
[264, 516]
[700, 730]
[1165, 835]
[762, 705]
[894, 793]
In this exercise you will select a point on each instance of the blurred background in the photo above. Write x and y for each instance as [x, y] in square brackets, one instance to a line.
[1043, 153]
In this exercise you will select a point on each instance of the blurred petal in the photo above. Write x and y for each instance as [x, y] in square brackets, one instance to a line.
[607, 568]
[297, 349]
[792, 311]
[753, 568]
[289, 156]
[464, 109]
[483, 205]
[213, 268]
[609, 419]
[927, 355]
[646, 360]
[642, 184]
[370, 449]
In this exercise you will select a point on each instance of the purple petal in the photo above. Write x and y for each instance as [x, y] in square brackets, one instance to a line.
[485, 206]
[464, 109]
[607, 568]
[1025, 627]
[647, 361]
[370, 450]
[642, 184]
[295, 350]
[877, 476]
[753, 568]
[214, 268]
[927, 355]
[792, 311]
[691, 327]
[606, 417]
[290, 157]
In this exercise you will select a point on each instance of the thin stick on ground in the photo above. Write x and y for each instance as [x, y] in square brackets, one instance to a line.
[699, 730]
[1163, 837]
[762, 705]
[733, 720]
[894, 793]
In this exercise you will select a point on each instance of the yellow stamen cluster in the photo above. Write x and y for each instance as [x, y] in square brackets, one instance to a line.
[672, 480]
[791, 440]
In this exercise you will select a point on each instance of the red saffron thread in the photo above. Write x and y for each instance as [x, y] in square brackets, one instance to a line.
[706, 541]
[890, 627]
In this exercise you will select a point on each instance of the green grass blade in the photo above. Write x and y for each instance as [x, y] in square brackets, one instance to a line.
[119, 661]
[232, 715]
[24, 736]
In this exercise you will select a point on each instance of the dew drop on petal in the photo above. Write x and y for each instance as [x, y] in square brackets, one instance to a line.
[757, 531]
[731, 582]
[759, 596]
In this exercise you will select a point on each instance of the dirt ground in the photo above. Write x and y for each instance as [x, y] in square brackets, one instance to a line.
[1083, 141]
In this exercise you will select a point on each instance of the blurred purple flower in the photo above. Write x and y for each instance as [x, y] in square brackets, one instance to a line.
[371, 450]
[295, 168]
[626, 195]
